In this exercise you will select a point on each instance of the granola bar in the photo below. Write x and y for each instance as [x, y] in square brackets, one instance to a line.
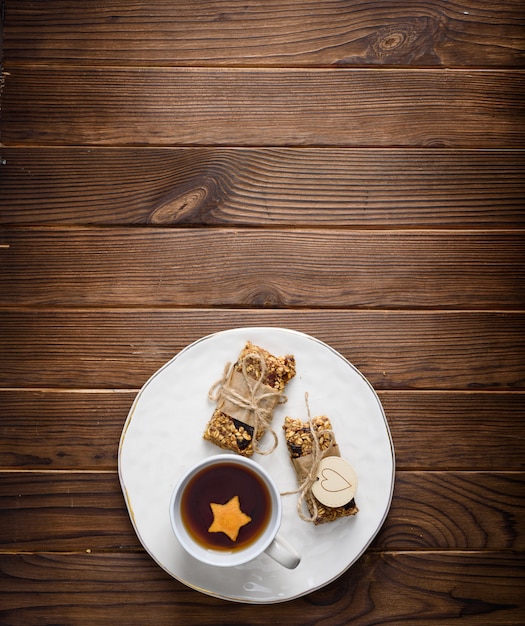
[239, 420]
[300, 443]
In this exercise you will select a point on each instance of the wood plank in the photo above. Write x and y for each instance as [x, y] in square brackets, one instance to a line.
[71, 422]
[262, 268]
[484, 430]
[389, 188]
[201, 106]
[445, 430]
[63, 511]
[455, 510]
[288, 32]
[410, 588]
[84, 512]
[111, 349]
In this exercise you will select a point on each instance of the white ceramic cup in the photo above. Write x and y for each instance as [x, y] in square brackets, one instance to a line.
[267, 540]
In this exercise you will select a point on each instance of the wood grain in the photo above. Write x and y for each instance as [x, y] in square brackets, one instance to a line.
[64, 511]
[267, 268]
[352, 170]
[83, 512]
[118, 349]
[290, 32]
[234, 106]
[447, 430]
[388, 188]
[431, 430]
[71, 422]
[463, 510]
[416, 589]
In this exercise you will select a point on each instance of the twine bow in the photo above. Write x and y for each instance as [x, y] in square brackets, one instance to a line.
[316, 456]
[253, 402]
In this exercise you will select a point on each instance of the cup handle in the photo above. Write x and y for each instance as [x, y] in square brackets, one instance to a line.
[282, 552]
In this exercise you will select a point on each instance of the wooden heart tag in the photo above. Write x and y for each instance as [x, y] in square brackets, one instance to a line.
[336, 482]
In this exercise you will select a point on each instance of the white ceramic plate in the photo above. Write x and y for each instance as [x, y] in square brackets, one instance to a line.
[162, 437]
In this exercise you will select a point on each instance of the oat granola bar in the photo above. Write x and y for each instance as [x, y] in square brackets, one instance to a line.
[235, 424]
[300, 443]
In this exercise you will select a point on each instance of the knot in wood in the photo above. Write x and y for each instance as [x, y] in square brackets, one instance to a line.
[185, 207]
[405, 41]
[267, 297]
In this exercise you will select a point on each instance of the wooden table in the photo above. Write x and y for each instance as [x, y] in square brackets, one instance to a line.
[353, 170]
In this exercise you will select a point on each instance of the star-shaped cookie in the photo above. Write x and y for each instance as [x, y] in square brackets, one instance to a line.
[228, 518]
